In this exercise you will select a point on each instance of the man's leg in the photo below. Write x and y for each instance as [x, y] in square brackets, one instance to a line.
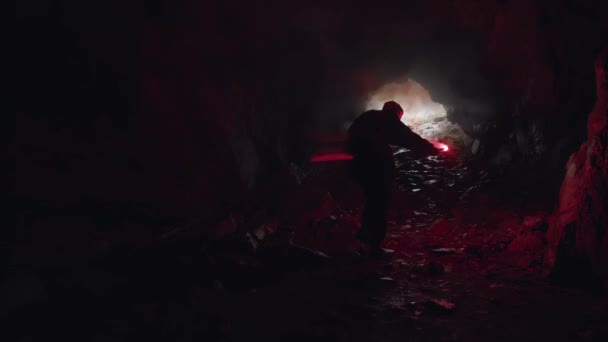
[367, 221]
[373, 222]
[379, 201]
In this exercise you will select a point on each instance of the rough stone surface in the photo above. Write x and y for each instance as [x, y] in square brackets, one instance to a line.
[577, 230]
[179, 128]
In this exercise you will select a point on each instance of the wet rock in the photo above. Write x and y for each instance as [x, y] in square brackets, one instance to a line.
[534, 222]
[331, 234]
[446, 251]
[441, 227]
[441, 306]
[578, 229]
[503, 216]
[266, 230]
[326, 206]
[430, 268]
[525, 250]
[526, 243]
[476, 251]
[475, 146]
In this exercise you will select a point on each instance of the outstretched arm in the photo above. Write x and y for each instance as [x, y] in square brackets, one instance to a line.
[401, 135]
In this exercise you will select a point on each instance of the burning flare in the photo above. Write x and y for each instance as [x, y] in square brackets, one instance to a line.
[440, 146]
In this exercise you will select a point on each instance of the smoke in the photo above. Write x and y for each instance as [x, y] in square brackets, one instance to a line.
[365, 69]
[424, 116]
[418, 107]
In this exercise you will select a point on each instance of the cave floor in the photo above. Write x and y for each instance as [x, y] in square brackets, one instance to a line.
[467, 267]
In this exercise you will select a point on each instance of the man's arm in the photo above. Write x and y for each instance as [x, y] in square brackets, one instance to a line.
[401, 135]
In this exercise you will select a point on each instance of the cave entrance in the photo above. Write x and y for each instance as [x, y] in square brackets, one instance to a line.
[424, 116]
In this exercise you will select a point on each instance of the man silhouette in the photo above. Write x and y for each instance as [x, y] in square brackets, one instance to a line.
[368, 140]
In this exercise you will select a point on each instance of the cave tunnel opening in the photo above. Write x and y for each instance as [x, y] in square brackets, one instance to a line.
[425, 117]
[184, 174]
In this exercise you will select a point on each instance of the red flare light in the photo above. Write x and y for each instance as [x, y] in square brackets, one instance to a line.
[440, 146]
[330, 157]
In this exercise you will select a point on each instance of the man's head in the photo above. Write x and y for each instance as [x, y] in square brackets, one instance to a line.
[393, 108]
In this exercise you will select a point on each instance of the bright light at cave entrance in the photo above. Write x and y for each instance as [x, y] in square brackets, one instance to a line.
[424, 116]
[443, 147]
[418, 107]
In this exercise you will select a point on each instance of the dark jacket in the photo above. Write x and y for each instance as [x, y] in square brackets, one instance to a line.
[369, 139]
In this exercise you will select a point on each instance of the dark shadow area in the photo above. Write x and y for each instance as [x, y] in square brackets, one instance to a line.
[166, 186]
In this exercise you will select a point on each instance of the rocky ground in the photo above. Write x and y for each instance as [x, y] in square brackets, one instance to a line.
[466, 267]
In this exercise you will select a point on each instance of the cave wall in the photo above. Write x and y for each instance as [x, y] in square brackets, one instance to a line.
[577, 236]
[179, 107]
[184, 106]
[525, 92]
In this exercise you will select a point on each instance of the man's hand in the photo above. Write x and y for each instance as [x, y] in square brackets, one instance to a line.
[432, 150]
